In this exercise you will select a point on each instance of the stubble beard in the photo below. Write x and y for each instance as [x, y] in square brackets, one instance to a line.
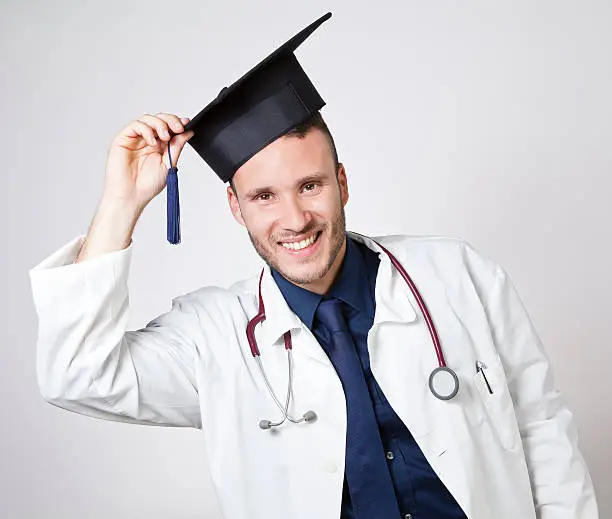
[337, 232]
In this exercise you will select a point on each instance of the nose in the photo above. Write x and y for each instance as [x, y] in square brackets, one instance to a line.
[296, 216]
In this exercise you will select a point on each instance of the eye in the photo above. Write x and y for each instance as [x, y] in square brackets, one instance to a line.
[309, 187]
[264, 197]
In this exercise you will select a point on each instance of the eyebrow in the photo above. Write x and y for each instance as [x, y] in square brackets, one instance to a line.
[314, 177]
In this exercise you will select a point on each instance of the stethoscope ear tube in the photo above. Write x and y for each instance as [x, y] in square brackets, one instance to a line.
[308, 416]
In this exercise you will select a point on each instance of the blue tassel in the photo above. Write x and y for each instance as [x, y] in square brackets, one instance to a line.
[174, 210]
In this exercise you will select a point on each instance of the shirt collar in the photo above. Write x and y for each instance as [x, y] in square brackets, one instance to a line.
[301, 301]
[351, 286]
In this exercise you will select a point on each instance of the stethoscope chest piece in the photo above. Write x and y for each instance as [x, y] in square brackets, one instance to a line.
[443, 383]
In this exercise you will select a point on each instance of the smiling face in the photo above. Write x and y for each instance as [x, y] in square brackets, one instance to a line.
[291, 200]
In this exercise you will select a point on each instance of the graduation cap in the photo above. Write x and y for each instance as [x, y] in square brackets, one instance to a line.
[264, 104]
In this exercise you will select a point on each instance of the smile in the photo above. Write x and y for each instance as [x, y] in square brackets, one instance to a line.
[302, 244]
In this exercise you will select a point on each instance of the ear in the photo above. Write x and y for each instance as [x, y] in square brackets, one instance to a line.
[234, 204]
[342, 182]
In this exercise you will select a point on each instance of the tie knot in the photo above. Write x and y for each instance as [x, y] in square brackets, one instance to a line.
[329, 313]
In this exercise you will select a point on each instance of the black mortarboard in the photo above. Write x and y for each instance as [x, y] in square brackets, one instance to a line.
[264, 104]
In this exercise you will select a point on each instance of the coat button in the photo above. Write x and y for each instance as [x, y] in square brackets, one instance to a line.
[407, 516]
[389, 455]
[330, 466]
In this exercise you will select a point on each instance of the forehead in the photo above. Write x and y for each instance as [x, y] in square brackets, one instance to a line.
[286, 159]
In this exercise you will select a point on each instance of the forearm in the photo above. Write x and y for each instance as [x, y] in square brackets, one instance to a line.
[88, 361]
[111, 228]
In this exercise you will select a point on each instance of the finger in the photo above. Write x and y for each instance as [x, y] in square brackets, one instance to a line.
[173, 122]
[177, 144]
[160, 126]
[140, 129]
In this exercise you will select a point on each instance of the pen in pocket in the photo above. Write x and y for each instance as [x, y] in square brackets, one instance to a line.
[480, 368]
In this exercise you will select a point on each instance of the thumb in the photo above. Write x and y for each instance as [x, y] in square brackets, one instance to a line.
[177, 143]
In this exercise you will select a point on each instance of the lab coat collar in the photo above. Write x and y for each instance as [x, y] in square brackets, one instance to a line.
[392, 298]
[392, 293]
[279, 317]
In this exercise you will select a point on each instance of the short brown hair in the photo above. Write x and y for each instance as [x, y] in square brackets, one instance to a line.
[315, 120]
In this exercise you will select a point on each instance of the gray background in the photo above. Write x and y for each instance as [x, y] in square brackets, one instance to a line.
[489, 121]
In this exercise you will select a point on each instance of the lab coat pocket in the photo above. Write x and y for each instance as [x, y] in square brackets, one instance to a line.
[497, 402]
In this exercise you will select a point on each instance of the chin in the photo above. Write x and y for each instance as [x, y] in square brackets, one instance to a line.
[305, 271]
[304, 275]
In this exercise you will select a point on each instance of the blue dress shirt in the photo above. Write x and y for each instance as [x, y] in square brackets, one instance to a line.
[420, 493]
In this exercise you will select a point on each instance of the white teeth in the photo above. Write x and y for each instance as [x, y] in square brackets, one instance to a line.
[299, 245]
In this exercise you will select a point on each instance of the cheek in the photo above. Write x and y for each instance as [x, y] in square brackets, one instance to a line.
[326, 207]
[259, 222]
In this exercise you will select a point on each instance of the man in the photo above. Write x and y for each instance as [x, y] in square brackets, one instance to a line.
[312, 382]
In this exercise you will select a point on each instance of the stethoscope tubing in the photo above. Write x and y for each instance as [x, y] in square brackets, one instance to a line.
[417, 295]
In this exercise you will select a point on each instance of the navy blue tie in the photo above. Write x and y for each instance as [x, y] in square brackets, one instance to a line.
[369, 481]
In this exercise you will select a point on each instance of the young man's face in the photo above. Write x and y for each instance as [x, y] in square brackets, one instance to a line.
[291, 201]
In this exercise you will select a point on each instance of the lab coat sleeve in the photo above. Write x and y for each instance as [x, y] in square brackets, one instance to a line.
[560, 480]
[87, 360]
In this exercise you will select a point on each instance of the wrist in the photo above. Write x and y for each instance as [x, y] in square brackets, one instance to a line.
[111, 228]
[120, 210]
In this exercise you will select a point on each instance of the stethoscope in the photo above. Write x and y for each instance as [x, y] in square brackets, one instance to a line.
[443, 381]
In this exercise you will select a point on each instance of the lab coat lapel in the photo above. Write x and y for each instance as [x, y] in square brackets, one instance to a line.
[400, 340]
[280, 319]
[393, 303]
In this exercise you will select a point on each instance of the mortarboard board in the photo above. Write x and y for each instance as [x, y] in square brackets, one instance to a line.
[267, 102]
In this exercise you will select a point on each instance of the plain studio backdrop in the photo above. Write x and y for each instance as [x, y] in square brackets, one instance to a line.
[487, 121]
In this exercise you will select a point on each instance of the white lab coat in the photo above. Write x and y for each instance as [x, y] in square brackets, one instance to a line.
[508, 455]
